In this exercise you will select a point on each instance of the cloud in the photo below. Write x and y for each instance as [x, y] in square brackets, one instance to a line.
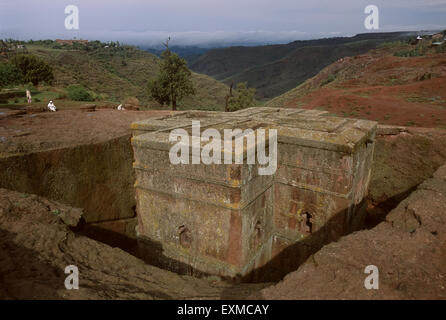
[200, 38]
[420, 27]
[208, 22]
[182, 38]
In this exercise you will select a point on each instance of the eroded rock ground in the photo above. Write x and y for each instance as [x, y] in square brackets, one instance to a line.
[408, 245]
[36, 245]
[22, 133]
[409, 249]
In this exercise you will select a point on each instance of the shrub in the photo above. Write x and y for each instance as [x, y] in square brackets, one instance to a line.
[441, 48]
[9, 75]
[61, 95]
[244, 98]
[132, 101]
[390, 44]
[29, 86]
[33, 69]
[331, 77]
[425, 76]
[79, 93]
[416, 52]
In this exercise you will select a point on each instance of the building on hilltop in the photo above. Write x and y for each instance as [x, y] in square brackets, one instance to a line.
[71, 42]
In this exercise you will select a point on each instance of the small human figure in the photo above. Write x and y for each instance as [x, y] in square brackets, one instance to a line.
[28, 96]
[51, 106]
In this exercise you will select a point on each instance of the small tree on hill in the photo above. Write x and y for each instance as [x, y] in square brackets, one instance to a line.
[33, 69]
[244, 97]
[228, 96]
[173, 82]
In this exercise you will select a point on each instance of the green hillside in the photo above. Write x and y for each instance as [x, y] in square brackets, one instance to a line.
[275, 69]
[114, 74]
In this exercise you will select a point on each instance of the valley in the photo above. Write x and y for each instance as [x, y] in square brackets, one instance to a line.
[274, 69]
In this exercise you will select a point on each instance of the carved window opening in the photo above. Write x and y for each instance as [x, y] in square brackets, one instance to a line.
[307, 222]
[184, 236]
[257, 233]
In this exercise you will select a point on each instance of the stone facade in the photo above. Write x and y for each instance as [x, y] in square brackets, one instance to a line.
[228, 220]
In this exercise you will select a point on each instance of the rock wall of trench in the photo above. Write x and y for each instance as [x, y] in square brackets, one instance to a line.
[96, 177]
[408, 248]
[99, 177]
[403, 158]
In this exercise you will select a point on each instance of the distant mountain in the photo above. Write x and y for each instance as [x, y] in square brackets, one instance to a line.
[190, 53]
[275, 69]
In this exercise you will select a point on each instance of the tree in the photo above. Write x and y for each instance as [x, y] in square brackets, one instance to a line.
[228, 96]
[173, 81]
[33, 69]
[243, 97]
[9, 75]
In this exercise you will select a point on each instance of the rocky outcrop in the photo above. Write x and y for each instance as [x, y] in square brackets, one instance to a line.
[36, 246]
[404, 157]
[409, 249]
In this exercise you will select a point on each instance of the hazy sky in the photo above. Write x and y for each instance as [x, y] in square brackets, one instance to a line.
[198, 22]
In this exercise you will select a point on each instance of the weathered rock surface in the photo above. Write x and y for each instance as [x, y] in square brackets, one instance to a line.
[409, 249]
[36, 246]
[32, 260]
[237, 220]
[81, 159]
[403, 158]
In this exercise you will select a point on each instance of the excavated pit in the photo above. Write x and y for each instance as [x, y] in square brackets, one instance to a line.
[99, 178]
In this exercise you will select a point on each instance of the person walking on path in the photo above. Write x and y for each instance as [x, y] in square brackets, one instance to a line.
[28, 96]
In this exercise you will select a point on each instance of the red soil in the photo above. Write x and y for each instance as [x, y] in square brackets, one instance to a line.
[386, 88]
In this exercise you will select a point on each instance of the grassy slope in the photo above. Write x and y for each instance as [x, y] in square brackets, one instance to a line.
[275, 69]
[378, 86]
[301, 64]
[105, 73]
